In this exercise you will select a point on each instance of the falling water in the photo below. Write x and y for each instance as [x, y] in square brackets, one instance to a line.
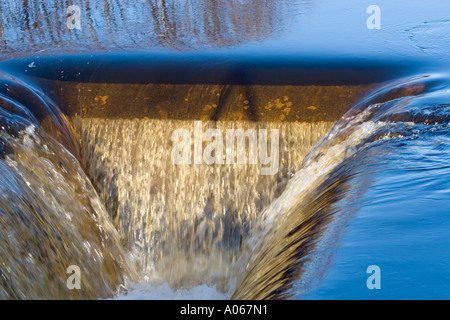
[51, 219]
[185, 223]
[159, 228]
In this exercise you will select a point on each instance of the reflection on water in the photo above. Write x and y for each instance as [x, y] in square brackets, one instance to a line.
[295, 28]
[33, 25]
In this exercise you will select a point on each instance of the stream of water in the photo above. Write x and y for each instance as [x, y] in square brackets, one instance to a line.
[104, 195]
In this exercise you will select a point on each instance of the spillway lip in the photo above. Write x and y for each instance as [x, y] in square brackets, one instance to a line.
[208, 68]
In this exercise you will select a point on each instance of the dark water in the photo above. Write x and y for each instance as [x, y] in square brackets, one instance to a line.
[371, 188]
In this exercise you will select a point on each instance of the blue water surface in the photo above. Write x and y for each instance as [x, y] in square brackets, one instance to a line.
[401, 225]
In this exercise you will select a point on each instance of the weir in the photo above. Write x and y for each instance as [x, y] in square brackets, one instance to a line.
[92, 118]
[190, 223]
[187, 223]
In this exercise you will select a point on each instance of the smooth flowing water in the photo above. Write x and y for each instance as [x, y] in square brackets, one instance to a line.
[358, 174]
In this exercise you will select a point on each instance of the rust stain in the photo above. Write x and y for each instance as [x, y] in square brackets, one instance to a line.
[101, 99]
[209, 107]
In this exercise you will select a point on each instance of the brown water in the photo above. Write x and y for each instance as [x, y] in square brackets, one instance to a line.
[52, 223]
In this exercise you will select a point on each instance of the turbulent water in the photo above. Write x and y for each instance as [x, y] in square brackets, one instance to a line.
[103, 195]
[51, 218]
[186, 223]
[148, 228]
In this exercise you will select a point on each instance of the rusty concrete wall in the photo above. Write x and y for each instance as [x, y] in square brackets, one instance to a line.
[205, 102]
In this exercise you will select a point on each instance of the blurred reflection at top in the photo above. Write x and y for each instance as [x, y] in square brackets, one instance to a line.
[35, 25]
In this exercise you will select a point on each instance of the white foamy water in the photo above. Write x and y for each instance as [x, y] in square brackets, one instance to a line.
[185, 224]
[154, 291]
[195, 230]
